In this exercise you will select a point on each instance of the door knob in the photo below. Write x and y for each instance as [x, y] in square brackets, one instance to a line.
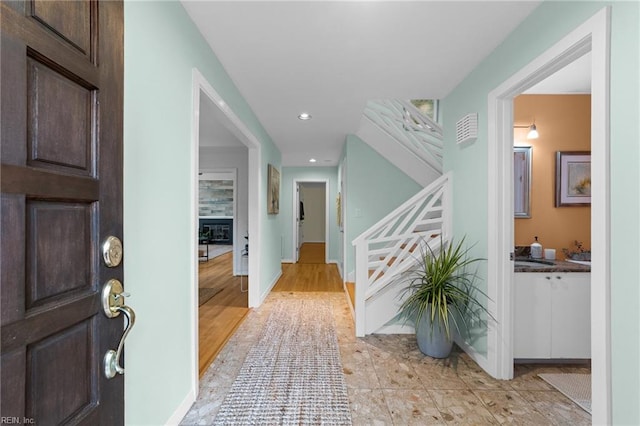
[113, 304]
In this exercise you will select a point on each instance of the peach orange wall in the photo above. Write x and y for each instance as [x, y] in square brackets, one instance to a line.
[564, 124]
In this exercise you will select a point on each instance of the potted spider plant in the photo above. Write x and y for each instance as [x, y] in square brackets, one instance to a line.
[442, 298]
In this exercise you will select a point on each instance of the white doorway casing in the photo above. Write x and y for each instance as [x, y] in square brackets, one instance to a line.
[296, 210]
[232, 122]
[594, 36]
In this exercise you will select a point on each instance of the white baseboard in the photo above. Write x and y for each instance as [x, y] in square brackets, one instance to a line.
[286, 261]
[396, 329]
[346, 296]
[351, 277]
[480, 359]
[182, 409]
[264, 295]
[337, 263]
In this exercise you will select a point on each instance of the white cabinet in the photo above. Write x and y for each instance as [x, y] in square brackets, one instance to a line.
[532, 313]
[571, 315]
[552, 315]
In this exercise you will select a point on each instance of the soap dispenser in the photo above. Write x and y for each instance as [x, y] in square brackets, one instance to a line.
[536, 249]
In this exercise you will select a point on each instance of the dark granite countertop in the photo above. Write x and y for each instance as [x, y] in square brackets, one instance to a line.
[543, 265]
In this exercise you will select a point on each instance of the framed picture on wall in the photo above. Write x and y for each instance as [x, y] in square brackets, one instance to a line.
[522, 182]
[573, 178]
[339, 210]
[273, 192]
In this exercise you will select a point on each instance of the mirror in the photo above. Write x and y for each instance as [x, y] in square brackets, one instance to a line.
[522, 182]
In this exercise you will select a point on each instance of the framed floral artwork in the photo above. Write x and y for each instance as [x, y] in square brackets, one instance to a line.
[573, 178]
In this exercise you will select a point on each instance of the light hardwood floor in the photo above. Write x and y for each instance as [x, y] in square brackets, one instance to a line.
[311, 273]
[220, 316]
[312, 253]
[305, 277]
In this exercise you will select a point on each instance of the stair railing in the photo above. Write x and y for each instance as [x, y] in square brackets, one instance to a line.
[402, 121]
[393, 245]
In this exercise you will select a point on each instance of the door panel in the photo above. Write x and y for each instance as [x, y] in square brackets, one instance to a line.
[71, 20]
[54, 369]
[67, 148]
[58, 265]
[61, 181]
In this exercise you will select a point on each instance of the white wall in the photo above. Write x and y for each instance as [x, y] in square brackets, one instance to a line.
[217, 158]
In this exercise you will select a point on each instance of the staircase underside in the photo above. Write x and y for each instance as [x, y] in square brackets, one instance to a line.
[397, 154]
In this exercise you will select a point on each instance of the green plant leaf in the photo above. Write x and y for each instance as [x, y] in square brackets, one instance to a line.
[442, 279]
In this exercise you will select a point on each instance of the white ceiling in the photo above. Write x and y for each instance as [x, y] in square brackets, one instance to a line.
[329, 58]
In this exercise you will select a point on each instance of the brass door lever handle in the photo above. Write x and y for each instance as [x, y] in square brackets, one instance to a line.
[113, 304]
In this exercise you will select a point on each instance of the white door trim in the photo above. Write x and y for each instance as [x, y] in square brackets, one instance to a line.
[233, 123]
[297, 224]
[296, 184]
[593, 35]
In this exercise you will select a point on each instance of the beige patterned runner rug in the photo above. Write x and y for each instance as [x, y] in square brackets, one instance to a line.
[293, 374]
[576, 387]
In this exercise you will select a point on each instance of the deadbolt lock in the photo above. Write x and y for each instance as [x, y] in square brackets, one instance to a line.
[112, 251]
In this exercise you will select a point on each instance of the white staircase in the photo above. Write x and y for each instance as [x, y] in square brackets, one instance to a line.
[392, 246]
[399, 132]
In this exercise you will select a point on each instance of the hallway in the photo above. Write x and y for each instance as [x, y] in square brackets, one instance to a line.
[389, 381]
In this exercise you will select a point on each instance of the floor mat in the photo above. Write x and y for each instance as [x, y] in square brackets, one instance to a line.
[576, 387]
[293, 374]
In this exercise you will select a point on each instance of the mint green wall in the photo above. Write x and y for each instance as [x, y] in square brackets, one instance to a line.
[161, 48]
[289, 174]
[374, 186]
[625, 211]
[543, 28]
[271, 244]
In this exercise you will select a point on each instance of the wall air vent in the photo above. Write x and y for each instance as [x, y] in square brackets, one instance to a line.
[467, 128]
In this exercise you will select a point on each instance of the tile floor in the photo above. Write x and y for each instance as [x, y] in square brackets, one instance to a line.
[391, 383]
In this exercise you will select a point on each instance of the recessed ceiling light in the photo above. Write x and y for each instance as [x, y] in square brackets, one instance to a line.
[304, 116]
[312, 160]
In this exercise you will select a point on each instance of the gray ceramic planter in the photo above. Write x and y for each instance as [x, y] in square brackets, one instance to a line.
[433, 341]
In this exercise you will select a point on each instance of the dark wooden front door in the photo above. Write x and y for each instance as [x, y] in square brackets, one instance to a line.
[61, 181]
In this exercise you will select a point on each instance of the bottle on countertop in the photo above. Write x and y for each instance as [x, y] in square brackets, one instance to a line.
[536, 249]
